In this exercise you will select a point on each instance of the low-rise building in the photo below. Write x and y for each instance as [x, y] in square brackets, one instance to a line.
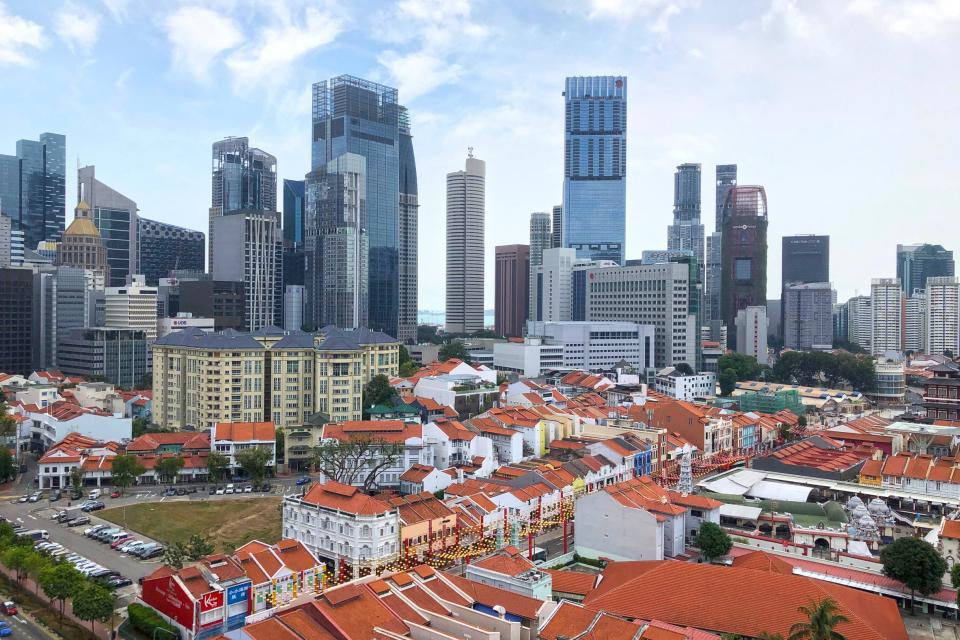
[508, 569]
[229, 438]
[421, 478]
[676, 384]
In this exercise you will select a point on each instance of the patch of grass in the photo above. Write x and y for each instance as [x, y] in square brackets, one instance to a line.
[228, 523]
[42, 611]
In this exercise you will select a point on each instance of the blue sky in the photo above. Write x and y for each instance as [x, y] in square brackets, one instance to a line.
[848, 111]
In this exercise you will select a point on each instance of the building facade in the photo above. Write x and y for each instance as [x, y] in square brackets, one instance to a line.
[465, 242]
[541, 238]
[942, 332]
[512, 290]
[595, 167]
[115, 216]
[726, 179]
[886, 315]
[805, 259]
[33, 188]
[859, 321]
[915, 322]
[83, 247]
[687, 230]
[752, 328]
[165, 248]
[222, 300]
[132, 307]
[119, 355]
[18, 339]
[294, 221]
[69, 302]
[252, 254]
[808, 316]
[409, 235]
[917, 262]
[743, 251]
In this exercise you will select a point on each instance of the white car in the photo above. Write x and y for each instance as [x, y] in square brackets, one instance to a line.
[230, 488]
[221, 491]
[248, 489]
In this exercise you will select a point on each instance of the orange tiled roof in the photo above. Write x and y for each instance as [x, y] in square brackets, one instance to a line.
[507, 561]
[951, 529]
[335, 495]
[246, 431]
[572, 582]
[387, 430]
[416, 473]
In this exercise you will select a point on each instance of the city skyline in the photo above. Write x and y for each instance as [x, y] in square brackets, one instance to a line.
[165, 100]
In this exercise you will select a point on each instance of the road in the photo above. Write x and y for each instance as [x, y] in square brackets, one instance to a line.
[24, 628]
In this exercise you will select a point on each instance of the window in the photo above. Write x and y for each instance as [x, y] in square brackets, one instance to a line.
[743, 269]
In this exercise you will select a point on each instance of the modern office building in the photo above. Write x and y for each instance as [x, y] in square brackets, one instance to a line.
[465, 246]
[409, 235]
[133, 306]
[338, 244]
[553, 286]
[752, 329]
[886, 313]
[222, 300]
[712, 278]
[726, 179]
[6, 235]
[243, 178]
[557, 226]
[252, 254]
[595, 167]
[69, 299]
[807, 311]
[121, 356]
[654, 294]
[687, 232]
[294, 201]
[165, 247]
[775, 310]
[353, 115]
[115, 216]
[18, 339]
[917, 262]
[512, 289]
[942, 332]
[83, 247]
[293, 304]
[915, 322]
[859, 322]
[743, 251]
[805, 259]
[541, 237]
[33, 189]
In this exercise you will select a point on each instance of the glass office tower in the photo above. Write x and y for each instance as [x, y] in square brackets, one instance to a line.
[409, 234]
[595, 167]
[33, 188]
[293, 200]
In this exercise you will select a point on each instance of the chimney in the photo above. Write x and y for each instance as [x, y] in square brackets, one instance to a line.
[459, 476]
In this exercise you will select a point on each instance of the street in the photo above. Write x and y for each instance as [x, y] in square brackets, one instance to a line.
[23, 627]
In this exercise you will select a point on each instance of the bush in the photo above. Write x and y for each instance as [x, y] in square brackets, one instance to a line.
[146, 621]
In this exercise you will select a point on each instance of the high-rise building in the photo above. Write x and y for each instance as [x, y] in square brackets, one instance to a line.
[808, 316]
[409, 235]
[69, 302]
[686, 232]
[552, 285]
[886, 313]
[712, 277]
[541, 238]
[943, 316]
[165, 247]
[115, 216]
[743, 251]
[6, 228]
[243, 178]
[511, 285]
[726, 180]
[18, 337]
[859, 321]
[82, 246]
[654, 294]
[695, 293]
[595, 167]
[293, 301]
[293, 212]
[557, 226]
[133, 306]
[252, 253]
[805, 259]
[917, 262]
[353, 115]
[121, 356]
[752, 330]
[33, 188]
[465, 242]
[222, 300]
[915, 322]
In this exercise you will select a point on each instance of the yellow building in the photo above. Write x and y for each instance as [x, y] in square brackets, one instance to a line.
[203, 378]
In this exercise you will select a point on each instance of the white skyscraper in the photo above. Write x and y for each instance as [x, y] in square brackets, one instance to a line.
[859, 321]
[752, 326]
[541, 238]
[132, 307]
[552, 285]
[915, 322]
[943, 315]
[465, 253]
[886, 312]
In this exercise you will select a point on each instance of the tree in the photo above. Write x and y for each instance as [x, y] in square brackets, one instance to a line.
[955, 576]
[713, 541]
[125, 470]
[174, 555]
[8, 426]
[8, 466]
[802, 421]
[377, 391]
[170, 467]
[915, 563]
[403, 355]
[408, 368]
[454, 349]
[280, 438]
[197, 547]
[254, 461]
[59, 582]
[217, 466]
[727, 380]
[17, 559]
[822, 618]
[94, 603]
[744, 366]
[684, 369]
[76, 479]
[36, 563]
[357, 461]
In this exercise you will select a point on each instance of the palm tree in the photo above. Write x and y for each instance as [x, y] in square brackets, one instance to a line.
[822, 617]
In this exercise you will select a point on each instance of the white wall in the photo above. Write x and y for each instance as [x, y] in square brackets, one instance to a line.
[607, 528]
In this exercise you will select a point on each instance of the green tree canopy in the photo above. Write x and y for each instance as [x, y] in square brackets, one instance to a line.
[94, 603]
[454, 349]
[125, 470]
[832, 369]
[8, 466]
[915, 563]
[174, 555]
[744, 366]
[712, 541]
[684, 368]
[197, 547]
[76, 479]
[170, 467]
[254, 461]
[821, 619]
[59, 582]
[377, 391]
[17, 559]
[727, 381]
[217, 466]
[8, 426]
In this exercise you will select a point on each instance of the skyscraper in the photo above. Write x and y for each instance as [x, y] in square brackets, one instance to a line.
[165, 247]
[465, 241]
[726, 180]
[409, 235]
[712, 277]
[243, 178]
[18, 339]
[917, 262]
[807, 311]
[115, 215]
[557, 240]
[82, 247]
[511, 286]
[886, 313]
[686, 232]
[805, 259]
[33, 187]
[362, 118]
[752, 329]
[744, 251]
[251, 251]
[859, 321]
[595, 167]
[942, 332]
[541, 238]
[293, 219]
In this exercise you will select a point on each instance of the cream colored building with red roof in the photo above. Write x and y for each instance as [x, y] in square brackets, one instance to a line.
[229, 438]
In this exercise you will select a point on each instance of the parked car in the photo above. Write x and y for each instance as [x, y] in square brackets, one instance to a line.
[221, 491]
[265, 487]
[170, 492]
[119, 539]
[115, 494]
[94, 495]
[212, 491]
[94, 529]
[55, 495]
[181, 491]
[76, 522]
[156, 552]
[23, 498]
[93, 506]
[229, 489]
[5, 629]
[118, 581]
[9, 608]
[302, 480]
[35, 497]
[248, 488]
[59, 516]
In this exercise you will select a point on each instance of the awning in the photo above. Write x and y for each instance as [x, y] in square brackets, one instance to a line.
[734, 484]
[771, 490]
[740, 511]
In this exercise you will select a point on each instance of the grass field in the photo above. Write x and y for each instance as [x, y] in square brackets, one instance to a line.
[228, 523]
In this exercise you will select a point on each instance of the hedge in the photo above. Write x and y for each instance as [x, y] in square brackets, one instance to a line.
[146, 621]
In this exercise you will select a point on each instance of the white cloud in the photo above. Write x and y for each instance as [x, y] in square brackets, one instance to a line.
[17, 36]
[77, 26]
[117, 8]
[121, 80]
[419, 72]
[919, 20]
[788, 15]
[277, 46]
[199, 36]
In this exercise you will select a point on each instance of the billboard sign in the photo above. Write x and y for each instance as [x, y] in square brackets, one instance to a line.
[167, 596]
[210, 601]
[238, 593]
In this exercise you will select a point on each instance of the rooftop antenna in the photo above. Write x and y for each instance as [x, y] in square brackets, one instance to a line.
[469, 152]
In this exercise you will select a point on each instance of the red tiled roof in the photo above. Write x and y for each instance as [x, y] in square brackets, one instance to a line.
[572, 582]
[872, 468]
[514, 603]
[334, 495]
[153, 441]
[416, 473]
[951, 529]
[358, 612]
[507, 561]
[246, 431]
[387, 430]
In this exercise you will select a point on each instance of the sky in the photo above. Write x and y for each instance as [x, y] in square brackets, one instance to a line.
[846, 111]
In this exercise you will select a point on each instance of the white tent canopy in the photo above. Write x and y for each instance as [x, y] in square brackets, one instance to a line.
[740, 511]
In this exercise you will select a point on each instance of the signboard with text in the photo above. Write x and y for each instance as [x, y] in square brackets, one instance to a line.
[210, 601]
[238, 593]
[167, 596]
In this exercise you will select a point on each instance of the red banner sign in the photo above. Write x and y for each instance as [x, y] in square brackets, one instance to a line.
[212, 600]
[166, 596]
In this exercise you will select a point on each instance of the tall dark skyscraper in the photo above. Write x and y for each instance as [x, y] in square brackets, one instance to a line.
[165, 247]
[19, 337]
[805, 259]
[595, 167]
[917, 262]
[409, 214]
[511, 289]
[293, 201]
[115, 215]
[744, 253]
[33, 188]
[726, 178]
[557, 226]
[686, 232]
